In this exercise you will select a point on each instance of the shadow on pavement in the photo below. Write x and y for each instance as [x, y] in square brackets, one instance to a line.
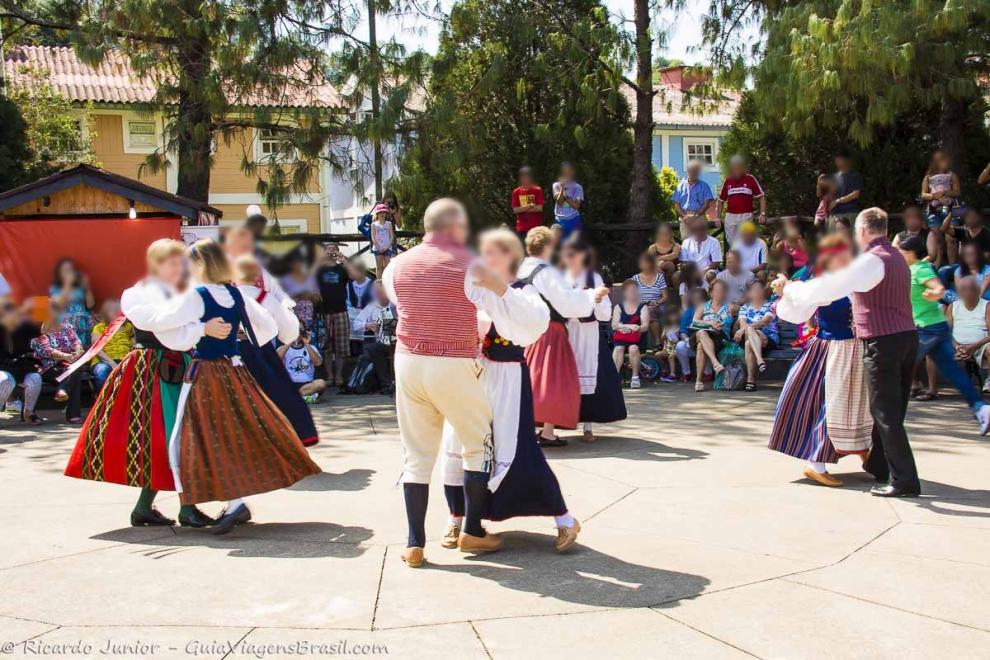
[528, 563]
[304, 540]
[634, 449]
[352, 480]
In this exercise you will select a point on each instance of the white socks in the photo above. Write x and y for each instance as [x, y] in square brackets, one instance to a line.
[817, 467]
[587, 427]
[566, 520]
[455, 521]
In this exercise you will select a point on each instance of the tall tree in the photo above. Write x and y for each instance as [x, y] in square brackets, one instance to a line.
[223, 67]
[510, 87]
[641, 190]
[856, 66]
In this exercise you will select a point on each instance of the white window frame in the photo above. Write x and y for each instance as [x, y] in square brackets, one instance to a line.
[260, 156]
[712, 142]
[141, 149]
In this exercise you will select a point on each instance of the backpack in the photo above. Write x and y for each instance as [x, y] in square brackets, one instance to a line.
[734, 375]
[364, 225]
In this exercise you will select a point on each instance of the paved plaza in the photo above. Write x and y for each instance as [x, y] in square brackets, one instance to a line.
[697, 543]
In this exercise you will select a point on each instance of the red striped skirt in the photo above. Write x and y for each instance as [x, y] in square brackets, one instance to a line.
[554, 375]
[234, 442]
[124, 439]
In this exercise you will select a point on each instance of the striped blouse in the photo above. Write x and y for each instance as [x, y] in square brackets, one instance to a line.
[650, 292]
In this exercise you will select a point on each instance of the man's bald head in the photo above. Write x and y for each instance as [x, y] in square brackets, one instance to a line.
[447, 216]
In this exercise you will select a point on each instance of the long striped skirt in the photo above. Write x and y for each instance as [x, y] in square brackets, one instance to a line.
[823, 411]
[230, 440]
[124, 439]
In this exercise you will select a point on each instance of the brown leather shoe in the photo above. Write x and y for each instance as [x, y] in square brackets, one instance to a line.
[824, 478]
[567, 536]
[450, 537]
[413, 557]
[486, 543]
[588, 436]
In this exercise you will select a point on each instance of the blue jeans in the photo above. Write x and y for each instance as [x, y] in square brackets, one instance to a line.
[101, 371]
[935, 341]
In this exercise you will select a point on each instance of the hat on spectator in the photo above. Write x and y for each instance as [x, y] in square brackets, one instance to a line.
[747, 228]
[381, 208]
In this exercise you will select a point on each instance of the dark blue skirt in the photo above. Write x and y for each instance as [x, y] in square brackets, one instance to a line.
[607, 403]
[263, 363]
[530, 487]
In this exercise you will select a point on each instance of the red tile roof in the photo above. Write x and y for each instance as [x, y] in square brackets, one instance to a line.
[672, 107]
[113, 80]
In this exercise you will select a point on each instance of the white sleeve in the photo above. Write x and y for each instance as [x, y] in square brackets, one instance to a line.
[149, 310]
[275, 289]
[264, 326]
[864, 273]
[285, 320]
[183, 338]
[520, 315]
[360, 323]
[387, 284]
[603, 308]
[571, 303]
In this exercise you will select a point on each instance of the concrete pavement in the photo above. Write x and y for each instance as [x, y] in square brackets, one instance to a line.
[697, 542]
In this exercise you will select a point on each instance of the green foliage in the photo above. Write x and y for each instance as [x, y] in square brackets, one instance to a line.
[512, 84]
[40, 133]
[667, 181]
[893, 167]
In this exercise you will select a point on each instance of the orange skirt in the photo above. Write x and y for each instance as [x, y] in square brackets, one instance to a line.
[234, 442]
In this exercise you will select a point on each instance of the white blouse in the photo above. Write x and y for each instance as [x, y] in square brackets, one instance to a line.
[550, 283]
[285, 320]
[603, 308]
[141, 302]
[520, 315]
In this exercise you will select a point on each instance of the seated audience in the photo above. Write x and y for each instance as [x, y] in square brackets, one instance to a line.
[70, 289]
[630, 319]
[377, 322]
[712, 327]
[969, 317]
[56, 348]
[690, 277]
[18, 366]
[736, 278]
[757, 331]
[696, 299]
[702, 250]
[301, 360]
[972, 232]
[359, 294]
[972, 263]
[665, 251]
[652, 291]
[117, 348]
[752, 250]
[670, 336]
[791, 240]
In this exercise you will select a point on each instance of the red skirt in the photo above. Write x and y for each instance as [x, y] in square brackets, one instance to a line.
[124, 439]
[554, 375]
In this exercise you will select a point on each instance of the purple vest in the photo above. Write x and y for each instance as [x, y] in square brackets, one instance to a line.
[886, 308]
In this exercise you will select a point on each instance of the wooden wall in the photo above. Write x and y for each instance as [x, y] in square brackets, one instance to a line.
[108, 146]
[79, 200]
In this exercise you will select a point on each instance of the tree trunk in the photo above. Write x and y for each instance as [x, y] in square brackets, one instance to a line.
[951, 133]
[642, 170]
[375, 99]
[194, 127]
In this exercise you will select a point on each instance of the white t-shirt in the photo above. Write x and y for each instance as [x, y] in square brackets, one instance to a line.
[299, 364]
[703, 253]
[752, 255]
[736, 283]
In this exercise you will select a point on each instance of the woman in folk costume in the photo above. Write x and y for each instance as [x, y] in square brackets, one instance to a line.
[229, 441]
[601, 389]
[823, 412]
[125, 437]
[521, 481]
[552, 368]
[263, 361]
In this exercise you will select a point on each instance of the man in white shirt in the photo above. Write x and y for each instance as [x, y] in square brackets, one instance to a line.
[704, 250]
[752, 249]
[736, 278]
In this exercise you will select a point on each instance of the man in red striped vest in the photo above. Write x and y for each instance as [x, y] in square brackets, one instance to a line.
[437, 292]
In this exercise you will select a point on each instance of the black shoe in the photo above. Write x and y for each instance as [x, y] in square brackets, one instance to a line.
[555, 441]
[886, 490]
[150, 518]
[227, 520]
[196, 519]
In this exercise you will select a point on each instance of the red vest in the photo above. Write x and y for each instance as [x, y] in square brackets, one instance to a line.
[886, 308]
[435, 316]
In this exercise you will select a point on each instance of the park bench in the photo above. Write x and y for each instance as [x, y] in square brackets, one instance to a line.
[785, 352]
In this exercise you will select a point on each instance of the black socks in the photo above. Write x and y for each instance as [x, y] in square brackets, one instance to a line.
[417, 496]
[145, 499]
[455, 500]
[476, 495]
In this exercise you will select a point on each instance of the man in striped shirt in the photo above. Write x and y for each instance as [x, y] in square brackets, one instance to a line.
[437, 288]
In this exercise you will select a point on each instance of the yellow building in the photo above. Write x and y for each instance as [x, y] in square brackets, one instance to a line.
[122, 135]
